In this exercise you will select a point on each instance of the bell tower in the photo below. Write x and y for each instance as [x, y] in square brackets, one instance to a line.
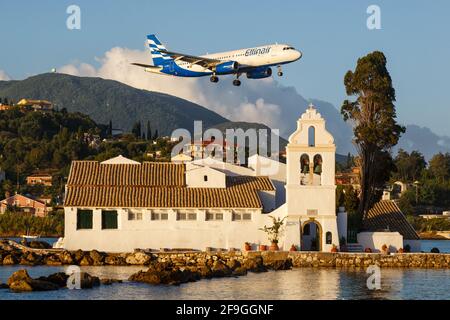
[310, 181]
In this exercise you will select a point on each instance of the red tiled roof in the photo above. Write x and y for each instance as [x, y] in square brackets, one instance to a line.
[386, 215]
[155, 185]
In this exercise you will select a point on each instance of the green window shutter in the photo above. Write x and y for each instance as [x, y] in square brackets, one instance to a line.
[84, 219]
[109, 219]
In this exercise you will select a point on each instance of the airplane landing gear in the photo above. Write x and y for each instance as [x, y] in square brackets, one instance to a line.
[280, 71]
[237, 82]
[214, 79]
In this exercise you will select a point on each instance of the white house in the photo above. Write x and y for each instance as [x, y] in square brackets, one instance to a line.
[120, 205]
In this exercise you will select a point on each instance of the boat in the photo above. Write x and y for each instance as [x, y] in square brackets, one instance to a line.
[28, 237]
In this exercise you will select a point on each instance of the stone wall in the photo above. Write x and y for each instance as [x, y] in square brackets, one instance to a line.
[403, 260]
[11, 254]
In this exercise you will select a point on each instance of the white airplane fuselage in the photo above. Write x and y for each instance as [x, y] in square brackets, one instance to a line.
[255, 62]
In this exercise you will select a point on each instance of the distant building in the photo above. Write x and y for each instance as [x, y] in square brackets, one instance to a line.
[181, 158]
[205, 148]
[349, 178]
[24, 204]
[36, 105]
[444, 215]
[4, 107]
[386, 224]
[40, 178]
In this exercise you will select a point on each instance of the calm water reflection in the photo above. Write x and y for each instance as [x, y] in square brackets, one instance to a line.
[297, 284]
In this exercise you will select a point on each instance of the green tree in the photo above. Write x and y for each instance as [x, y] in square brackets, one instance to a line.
[440, 166]
[136, 130]
[374, 117]
[156, 135]
[409, 166]
[110, 129]
[149, 131]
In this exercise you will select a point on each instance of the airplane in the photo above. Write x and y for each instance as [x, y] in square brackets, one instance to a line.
[255, 62]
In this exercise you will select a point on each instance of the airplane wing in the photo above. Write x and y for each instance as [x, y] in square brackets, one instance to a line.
[147, 66]
[201, 61]
[142, 65]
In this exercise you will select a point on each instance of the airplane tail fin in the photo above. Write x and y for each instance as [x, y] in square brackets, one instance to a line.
[155, 46]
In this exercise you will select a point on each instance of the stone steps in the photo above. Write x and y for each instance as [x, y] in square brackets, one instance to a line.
[354, 247]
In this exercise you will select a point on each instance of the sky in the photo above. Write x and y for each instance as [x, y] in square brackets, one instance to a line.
[331, 34]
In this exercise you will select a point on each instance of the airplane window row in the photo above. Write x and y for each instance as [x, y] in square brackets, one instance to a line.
[288, 48]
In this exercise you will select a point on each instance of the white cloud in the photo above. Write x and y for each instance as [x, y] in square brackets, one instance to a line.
[4, 76]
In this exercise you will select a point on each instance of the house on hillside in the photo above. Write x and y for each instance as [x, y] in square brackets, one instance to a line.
[121, 205]
[40, 178]
[35, 105]
[5, 107]
[24, 204]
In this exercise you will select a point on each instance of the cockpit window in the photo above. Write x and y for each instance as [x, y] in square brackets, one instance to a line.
[288, 48]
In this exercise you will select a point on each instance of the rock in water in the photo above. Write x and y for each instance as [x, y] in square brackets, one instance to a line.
[164, 274]
[108, 282]
[240, 271]
[115, 260]
[66, 258]
[220, 269]
[255, 264]
[138, 258]
[97, 258]
[10, 260]
[86, 261]
[60, 279]
[88, 281]
[20, 281]
[39, 245]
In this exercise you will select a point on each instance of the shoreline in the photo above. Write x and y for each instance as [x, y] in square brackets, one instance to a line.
[12, 253]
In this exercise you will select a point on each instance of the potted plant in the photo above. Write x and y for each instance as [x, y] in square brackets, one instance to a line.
[385, 249]
[334, 249]
[273, 232]
[407, 248]
[368, 250]
[262, 247]
[248, 246]
[400, 250]
[293, 248]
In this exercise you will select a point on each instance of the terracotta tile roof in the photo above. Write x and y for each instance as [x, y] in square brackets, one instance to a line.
[387, 215]
[155, 185]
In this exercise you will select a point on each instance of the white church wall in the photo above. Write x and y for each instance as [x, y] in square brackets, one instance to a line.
[148, 234]
[205, 177]
[376, 240]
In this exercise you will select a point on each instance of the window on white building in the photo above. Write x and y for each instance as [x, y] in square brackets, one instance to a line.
[182, 216]
[156, 216]
[242, 216]
[210, 216]
[134, 215]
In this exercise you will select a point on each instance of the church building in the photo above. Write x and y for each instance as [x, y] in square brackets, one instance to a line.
[121, 205]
